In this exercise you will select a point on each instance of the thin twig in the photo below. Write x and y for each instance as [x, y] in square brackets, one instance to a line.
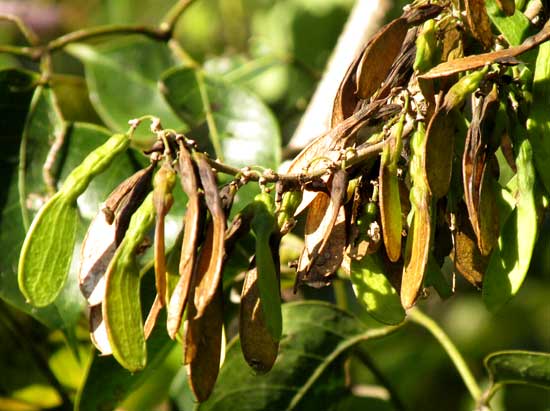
[26, 31]
[361, 154]
[422, 319]
[170, 20]
[86, 34]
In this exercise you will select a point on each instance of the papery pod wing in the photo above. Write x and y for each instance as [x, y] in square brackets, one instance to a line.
[203, 344]
[208, 278]
[107, 230]
[325, 235]
[98, 331]
[478, 22]
[257, 343]
[192, 227]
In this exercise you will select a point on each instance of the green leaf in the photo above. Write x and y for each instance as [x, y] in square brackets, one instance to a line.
[122, 78]
[236, 118]
[74, 98]
[374, 291]
[514, 28]
[538, 123]
[98, 394]
[122, 304]
[316, 335]
[511, 258]
[519, 367]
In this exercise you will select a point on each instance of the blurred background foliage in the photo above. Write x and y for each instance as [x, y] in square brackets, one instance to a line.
[278, 49]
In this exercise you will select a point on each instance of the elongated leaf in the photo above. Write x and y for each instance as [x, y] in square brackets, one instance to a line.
[519, 367]
[263, 225]
[94, 394]
[538, 123]
[239, 118]
[316, 335]
[511, 258]
[258, 346]
[138, 64]
[374, 291]
[210, 263]
[122, 306]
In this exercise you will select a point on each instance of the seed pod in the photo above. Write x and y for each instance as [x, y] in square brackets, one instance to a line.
[374, 291]
[418, 239]
[98, 331]
[426, 47]
[47, 251]
[508, 7]
[203, 344]
[164, 183]
[462, 89]
[257, 343]
[107, 230]
[390, 206]
[192, 227]
[122, 307]
[478, 22]
[325, 235]
[504, 56]
[263, 226]
[209, 266]
[285, 214]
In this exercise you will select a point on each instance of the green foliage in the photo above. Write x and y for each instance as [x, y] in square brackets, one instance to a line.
[235, 76]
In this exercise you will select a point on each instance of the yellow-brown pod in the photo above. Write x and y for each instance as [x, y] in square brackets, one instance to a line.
[203, 344]
[478, 22]
[390, 206]
[258, 346]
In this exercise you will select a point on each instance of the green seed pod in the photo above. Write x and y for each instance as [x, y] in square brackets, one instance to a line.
[426, 47]
[263, 225]
[48, 247]
[122, 306]
[463, 88]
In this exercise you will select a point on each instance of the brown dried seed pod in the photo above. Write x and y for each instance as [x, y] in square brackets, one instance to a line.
[192, 227]
[478, 22]
[258, 346]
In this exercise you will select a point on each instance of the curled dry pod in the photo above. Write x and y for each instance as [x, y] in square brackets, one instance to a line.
[478, 22]
[263, 226]
[203, 344]
[374, 291]
[325, 235]
[257, 343]
[479, 183]
[47, 251]
[209, 266]
[418, 240]
[107, 231]
[508, 7]
[192, 225]
[476, 61]
[468, 260]
[163, 184]
[122, 306]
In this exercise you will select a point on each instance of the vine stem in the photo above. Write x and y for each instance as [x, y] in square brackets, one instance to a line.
[171, 18]
[417, 316]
